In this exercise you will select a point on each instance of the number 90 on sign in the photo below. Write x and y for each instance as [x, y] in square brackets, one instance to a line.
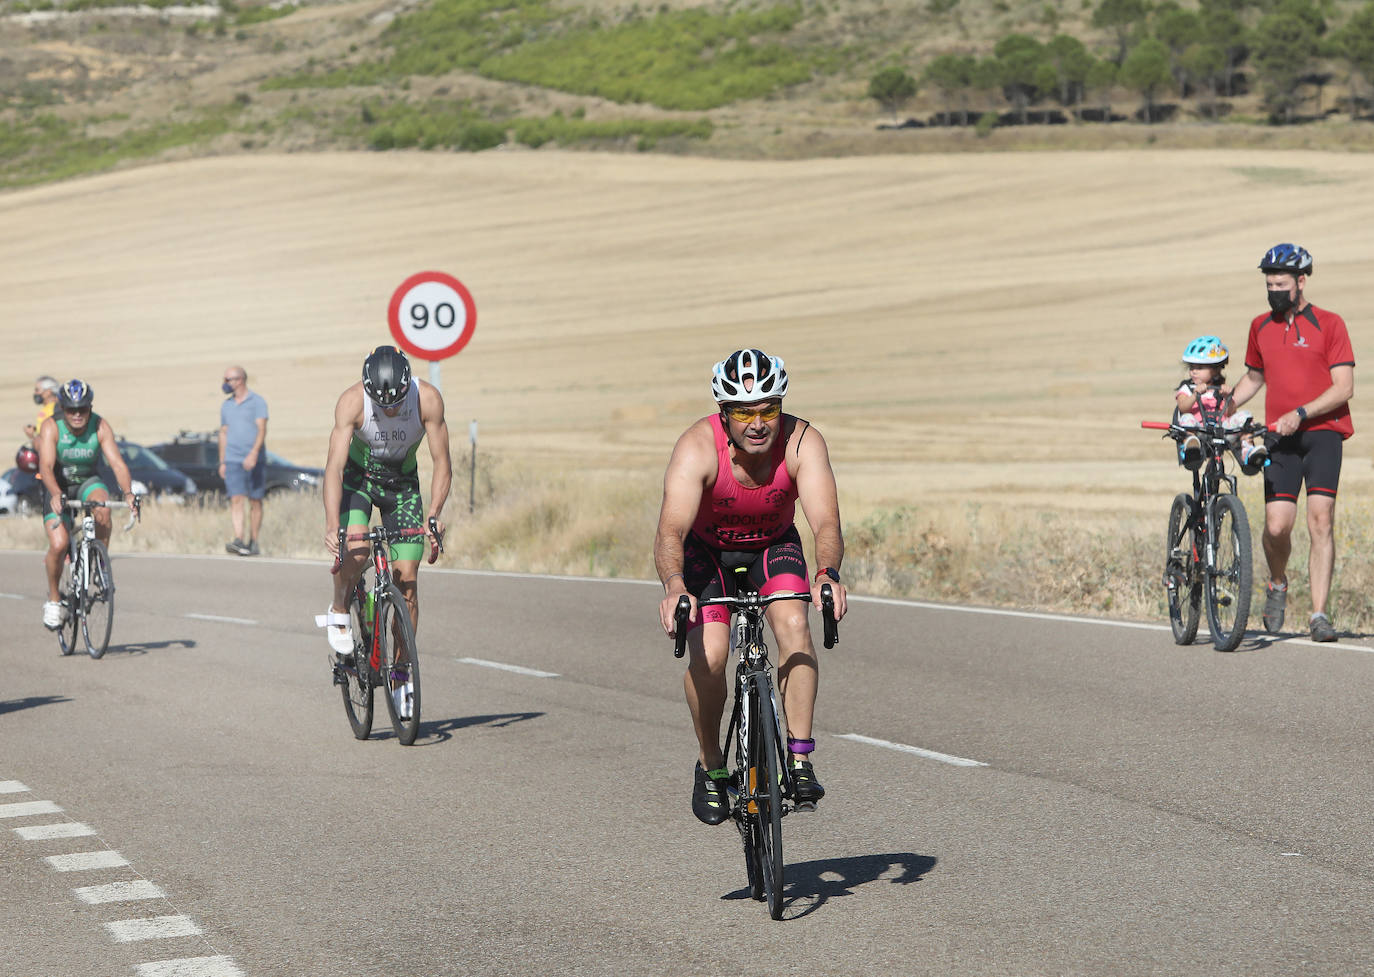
[432, 315]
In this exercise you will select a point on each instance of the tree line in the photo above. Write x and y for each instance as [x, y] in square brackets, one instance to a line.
[1221, 49]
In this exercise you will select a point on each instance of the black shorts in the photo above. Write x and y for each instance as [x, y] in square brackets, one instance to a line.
[709, 572]
[396, 496]
[1313, 457]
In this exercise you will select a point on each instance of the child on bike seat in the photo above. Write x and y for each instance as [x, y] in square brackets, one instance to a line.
[1205, 357]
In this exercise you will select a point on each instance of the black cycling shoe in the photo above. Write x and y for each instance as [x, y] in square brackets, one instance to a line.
[806, 789]
[1275, 600]
[710, 802]
[1322, 629]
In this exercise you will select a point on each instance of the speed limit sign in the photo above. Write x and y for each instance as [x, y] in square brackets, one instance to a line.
[432, 315]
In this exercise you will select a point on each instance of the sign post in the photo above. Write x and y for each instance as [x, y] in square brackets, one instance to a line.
[472, 467]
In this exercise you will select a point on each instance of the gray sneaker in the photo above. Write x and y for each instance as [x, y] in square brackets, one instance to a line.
[236, 546]
[253, 548]
[1275, 601]
[1322, 629]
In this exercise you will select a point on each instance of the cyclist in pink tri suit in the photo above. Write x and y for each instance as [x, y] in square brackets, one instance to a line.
[729, 499]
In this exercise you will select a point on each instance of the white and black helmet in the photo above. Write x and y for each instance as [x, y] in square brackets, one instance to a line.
[386, 375]
[766, 372]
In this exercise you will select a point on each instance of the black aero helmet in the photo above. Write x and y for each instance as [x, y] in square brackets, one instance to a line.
[386, 375]
[1286, 258]
[768, 378]
[74, 394]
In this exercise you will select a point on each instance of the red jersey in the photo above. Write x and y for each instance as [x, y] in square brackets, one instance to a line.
[732, 517]
[1296, 360]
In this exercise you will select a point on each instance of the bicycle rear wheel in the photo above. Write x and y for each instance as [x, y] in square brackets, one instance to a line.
[1182, 582]
[98, 603]
[400, 666]
[355, 680]
[765, 789]
[1230, 575]
[66, 590]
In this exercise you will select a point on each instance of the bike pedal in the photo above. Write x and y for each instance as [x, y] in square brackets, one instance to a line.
[804, 806]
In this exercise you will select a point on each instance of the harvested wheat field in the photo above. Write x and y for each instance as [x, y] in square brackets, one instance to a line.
[963, 329]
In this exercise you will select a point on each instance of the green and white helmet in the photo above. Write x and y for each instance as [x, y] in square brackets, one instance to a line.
[1206, 351]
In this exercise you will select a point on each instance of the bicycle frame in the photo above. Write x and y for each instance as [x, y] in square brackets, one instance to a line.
[79, 547]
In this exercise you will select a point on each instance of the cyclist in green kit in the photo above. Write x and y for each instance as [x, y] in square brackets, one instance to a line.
[70, 445]
[379, 423]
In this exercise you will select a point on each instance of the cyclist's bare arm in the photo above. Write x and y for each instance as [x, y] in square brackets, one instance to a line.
[104, 435]
[348, 417]
[1248, 386]
[436, 432]
[821, 503]
[692, 465]
[47, 462]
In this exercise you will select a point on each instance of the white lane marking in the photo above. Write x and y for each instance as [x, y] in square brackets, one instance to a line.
[25, 808]
[218, 618]
[155, 928]
[956, 761]
[517, 669]
[84, 861]
[119, 892]
[42, 832]
[191, 967]
[12, 787]
[13, 596]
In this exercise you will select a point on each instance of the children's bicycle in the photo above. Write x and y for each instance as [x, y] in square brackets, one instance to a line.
[760, 790]
[1207, 549]
[384, 653]
[87, 588]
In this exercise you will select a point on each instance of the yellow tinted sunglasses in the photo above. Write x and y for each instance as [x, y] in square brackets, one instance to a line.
[746, 415]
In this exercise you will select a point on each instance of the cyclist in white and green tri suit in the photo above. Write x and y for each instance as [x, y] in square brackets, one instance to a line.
[379, 423]
[70, 445]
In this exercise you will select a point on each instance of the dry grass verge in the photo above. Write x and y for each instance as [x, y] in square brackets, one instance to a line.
[981, 553]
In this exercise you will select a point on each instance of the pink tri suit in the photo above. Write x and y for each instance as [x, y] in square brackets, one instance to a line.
[738, 526]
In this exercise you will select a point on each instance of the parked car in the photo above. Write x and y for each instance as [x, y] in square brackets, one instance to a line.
[9, 502]
[149, 475]
[197, 454]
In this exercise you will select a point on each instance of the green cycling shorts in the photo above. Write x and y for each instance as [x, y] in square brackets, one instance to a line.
[82, 492]
[397, 498]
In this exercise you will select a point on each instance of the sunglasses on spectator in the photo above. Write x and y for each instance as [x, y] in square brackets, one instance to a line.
[746, 415]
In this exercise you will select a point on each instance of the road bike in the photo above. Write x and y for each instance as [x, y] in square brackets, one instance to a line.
[1207, 549]
[87, 588]
[384, 653]
[761, 789]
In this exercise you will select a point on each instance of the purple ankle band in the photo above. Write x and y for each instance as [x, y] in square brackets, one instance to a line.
[800, 747]
[399, 676]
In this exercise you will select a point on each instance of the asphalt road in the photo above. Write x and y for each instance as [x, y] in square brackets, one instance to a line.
[1142, 808]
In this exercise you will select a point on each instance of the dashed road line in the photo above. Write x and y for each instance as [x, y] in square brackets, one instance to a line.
[153, 928]
[955, 761]
[85, 861]
[132, 891]
[220, 619]
[191, 967]
[12, 787]
[13, 596]
[517, 669]
[66, 829]
[22, 809]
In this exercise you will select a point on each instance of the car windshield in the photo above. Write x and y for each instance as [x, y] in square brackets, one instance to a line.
[276, 459]
[136, 454]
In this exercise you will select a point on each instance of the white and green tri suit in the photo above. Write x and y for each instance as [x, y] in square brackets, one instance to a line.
[381, 471]
[77, 456]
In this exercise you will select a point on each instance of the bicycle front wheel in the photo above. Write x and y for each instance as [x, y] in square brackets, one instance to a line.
[1182, 583]
[400, 666]
[98, 603]
[1229, 573]
[765, 788]
[67, 594]
[355, 680]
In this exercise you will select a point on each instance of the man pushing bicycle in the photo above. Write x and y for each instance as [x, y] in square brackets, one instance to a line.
[729, 497]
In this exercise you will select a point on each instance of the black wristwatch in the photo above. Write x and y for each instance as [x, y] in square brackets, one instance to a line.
[830, 572]
[1301, 412]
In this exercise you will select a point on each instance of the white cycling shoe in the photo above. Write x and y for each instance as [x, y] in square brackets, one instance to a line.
[54, 614]
[338, 626]
[404, 698]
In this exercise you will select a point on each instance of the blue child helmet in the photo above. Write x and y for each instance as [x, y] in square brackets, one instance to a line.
[1286, 258]
[1206, 351]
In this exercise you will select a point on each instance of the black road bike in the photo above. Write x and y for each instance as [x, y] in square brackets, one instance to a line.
[384, 653]
[761, 790]
[1207, 549]
[87, 587]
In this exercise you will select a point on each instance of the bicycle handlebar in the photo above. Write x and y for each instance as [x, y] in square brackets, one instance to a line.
[684, 609]
[383, 535]
[80, 505]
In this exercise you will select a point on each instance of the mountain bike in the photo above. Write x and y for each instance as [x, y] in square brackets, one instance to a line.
[87, 587]
[384, 653]
[760, 789]
[1207, 549]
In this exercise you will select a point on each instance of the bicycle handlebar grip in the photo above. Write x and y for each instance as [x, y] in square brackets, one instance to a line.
[832, 630]
[684, 610]
[436, 539]
[1155, 425]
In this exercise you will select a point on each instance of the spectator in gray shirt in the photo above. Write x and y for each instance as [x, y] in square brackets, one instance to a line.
[243, 457]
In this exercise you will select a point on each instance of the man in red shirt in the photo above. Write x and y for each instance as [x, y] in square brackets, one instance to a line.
[1303, 353]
